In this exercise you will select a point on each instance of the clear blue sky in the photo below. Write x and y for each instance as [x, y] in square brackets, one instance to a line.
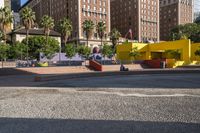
[23, 1]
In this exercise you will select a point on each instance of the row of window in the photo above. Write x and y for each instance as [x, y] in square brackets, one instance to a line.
[94, 14]
[95, 2]
[101, 10]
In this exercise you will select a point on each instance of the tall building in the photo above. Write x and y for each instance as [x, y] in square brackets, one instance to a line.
[173, 13]
[196, 9]
[15, 5]
[77, 11]
[139, 16]
[7, 3]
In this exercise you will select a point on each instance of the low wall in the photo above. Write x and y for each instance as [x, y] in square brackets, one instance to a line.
[153, 63]
[95, 65]
[8, 64]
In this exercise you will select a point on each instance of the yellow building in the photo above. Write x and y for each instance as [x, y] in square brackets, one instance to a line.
[158, 51]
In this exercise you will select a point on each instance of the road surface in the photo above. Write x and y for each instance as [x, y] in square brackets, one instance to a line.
[121, 104]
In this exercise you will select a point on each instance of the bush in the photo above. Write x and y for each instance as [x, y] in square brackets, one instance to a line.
[18, 51]
[4, 50]
[70, 51]
[84, 51]
[107, 51]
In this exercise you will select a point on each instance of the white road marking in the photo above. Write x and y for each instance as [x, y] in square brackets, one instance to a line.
[148, 95]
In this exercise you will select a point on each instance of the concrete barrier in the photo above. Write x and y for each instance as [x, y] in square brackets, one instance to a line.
[95, 65]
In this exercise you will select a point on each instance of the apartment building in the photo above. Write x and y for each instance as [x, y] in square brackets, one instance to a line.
[7, 3]
[15, 5]
[141, 17]
[173, 13]
[77, 11]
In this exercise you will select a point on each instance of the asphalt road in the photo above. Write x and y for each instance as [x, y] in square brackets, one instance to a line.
[130, 81]
[122, 104]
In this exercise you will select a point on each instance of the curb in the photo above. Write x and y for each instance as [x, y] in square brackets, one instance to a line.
[42, 78]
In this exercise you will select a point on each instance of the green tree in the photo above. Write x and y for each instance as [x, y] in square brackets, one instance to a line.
[50, 48]
[70, 51]
[176, 33]
[197, 20]
[88, 27]
[37, 45]
[28, 17]
[114, 37]
[6, 18]
[197, 52]
[65, 28]
[84, 52]
[107, 51]
[4, 49]
[101, 29]
[187, 31]
[18, 50]
[134, 53]
[47, 23]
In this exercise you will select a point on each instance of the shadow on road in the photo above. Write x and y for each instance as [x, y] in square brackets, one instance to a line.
[19, 125]
[19, 78]
[13, 71]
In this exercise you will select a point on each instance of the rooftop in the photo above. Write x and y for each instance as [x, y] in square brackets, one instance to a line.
[35, 32]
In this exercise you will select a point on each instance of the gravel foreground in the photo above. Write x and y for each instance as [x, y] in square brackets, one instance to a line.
[82, 110]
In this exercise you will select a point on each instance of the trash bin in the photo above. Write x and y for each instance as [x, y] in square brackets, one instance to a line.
[163, 64]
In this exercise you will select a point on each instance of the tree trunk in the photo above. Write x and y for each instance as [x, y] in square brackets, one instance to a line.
[101, 41]
[21, 53]
[1, 63]
[70, 62]
[65, 40]
[27, 34]
[47, 35]
[87, 42]
[4, 32]
[46, 39]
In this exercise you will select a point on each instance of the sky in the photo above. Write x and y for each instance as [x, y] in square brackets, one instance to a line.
[23, 1]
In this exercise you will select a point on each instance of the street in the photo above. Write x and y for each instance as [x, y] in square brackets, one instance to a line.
[121, 104]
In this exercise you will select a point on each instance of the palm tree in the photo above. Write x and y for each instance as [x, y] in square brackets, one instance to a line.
[1, 19]
[101, 29]
[65, 27]
[28, 17]
[114, 36]
[6, 19]
[47, 23]
[1, 35]
[88, 27]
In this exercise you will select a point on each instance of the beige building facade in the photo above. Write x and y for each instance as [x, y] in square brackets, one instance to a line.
[77, 11]
[173, 13]
[20, 34]
[139, 16]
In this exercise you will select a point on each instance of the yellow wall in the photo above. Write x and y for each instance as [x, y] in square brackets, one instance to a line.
[183, 45]
[187, 50]
[124, 50]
